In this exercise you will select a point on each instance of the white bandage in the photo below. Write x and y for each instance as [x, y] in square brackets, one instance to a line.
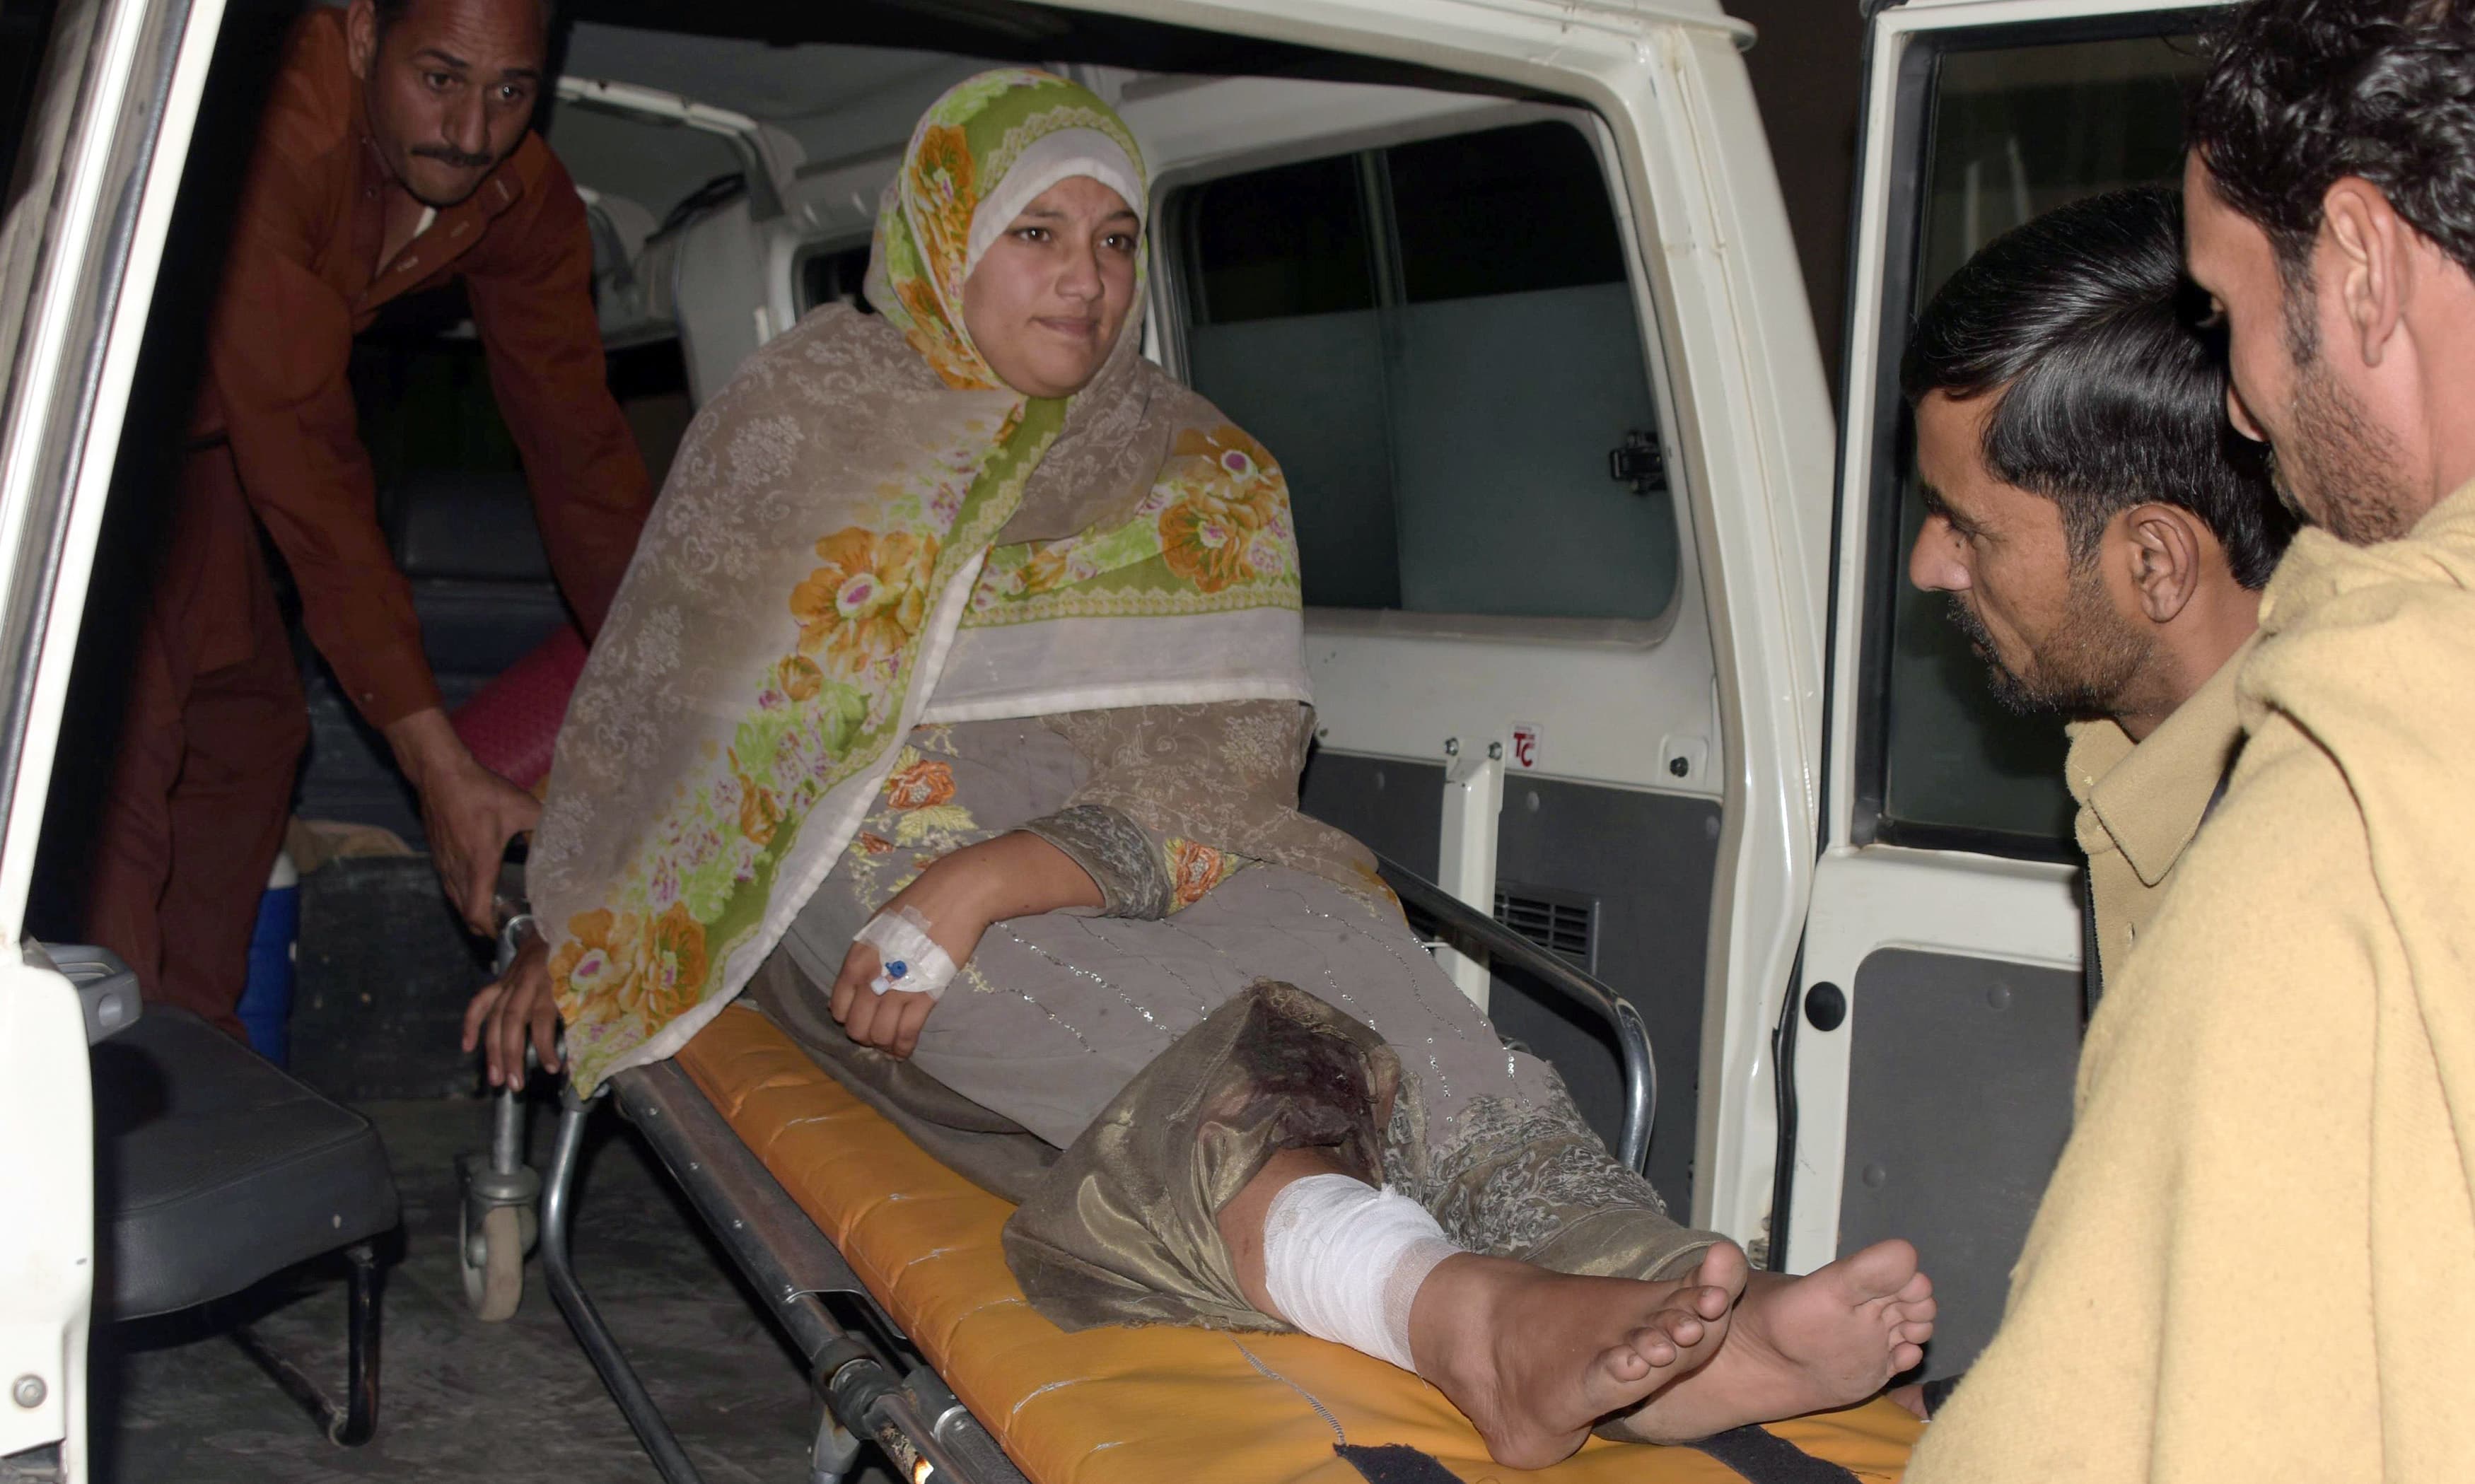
[908, 959]
[1343, 1260]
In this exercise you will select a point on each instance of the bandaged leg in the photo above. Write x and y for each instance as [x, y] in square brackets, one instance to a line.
[1278, 1089]
[1533, 1359]
[1343, 1262]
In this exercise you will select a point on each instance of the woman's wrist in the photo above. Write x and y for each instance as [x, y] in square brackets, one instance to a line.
[970, 882]
[1013, 875]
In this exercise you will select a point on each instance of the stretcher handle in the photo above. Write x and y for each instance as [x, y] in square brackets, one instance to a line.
[1633, 1037]
[514, 916]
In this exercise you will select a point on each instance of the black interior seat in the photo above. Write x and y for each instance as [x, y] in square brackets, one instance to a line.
[217, 1170]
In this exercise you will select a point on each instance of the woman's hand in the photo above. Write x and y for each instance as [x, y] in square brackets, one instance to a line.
[501, 1014]
[951, 896]
[958, 895]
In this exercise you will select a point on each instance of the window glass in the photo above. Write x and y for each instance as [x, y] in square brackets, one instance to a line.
[1284, 336]
[834, 276]
[1438, 342]
[1518, 368]
[1282, 243]
[2016, 131]
[1506, 211]
[23, 30]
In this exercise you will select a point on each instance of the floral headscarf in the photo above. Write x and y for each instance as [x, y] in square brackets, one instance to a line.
[979, 156]
[866, 530]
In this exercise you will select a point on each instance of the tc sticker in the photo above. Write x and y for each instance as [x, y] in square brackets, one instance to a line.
[1525, 744]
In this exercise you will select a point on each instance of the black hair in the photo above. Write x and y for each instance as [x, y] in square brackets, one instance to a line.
[2112, 388]
[388, 12]
[2306, 93]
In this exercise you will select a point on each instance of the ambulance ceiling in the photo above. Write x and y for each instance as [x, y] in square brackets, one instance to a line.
[847, 77]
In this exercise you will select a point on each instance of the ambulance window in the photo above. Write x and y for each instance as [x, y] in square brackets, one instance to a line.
[1438, 342]
[2014, 131]
[1282, 243]
[1284, 334]
[834, 276]
[23, 30]
[1508, 211]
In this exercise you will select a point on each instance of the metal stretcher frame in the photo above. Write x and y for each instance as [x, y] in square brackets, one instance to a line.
[870, 1389]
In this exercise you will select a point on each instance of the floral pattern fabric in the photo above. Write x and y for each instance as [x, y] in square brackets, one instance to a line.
[1186, 770]
[1214, 535]
[1215, 787]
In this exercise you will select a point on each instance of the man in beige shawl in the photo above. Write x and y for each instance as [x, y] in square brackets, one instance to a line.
[2257, 1258]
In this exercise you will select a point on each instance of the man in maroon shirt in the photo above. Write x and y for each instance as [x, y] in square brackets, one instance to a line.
[394, 155]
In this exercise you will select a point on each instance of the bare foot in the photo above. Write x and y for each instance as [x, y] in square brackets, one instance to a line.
[1533, 1358]
[1800, 1345]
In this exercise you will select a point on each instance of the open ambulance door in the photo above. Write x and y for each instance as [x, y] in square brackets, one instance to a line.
[100, 97]
[1927, 1050]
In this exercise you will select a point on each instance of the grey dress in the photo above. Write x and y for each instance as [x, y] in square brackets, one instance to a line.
[1122, 1074]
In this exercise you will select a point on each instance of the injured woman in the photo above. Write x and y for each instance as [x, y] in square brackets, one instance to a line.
[954, 708]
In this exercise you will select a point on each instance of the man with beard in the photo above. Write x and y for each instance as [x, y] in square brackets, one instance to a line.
[2102, 533]
[394, 156]
[2257, 1257]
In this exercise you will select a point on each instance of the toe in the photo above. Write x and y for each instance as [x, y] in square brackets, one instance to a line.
[1912, 1333]
[1885, 1268]
[1627, 1364]
[1906, 1358]
[1683, 1328]
[1898, 1315]
[1724, 1267]
[1623, 1373]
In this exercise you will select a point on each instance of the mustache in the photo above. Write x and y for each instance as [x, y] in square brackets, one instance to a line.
[450, 155]
[1964, 618]
[2010, 691]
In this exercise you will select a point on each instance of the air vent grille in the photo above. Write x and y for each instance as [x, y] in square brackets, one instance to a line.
[1561, 923]
[1559, 927]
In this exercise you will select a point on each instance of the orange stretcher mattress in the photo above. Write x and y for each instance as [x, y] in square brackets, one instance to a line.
[1157, 1405]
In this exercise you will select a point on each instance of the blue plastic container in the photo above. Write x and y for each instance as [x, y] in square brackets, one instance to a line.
[266, 1004]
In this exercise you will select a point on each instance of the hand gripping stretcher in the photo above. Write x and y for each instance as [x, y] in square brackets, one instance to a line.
[882, 1265]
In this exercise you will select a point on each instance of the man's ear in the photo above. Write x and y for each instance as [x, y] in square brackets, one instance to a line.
[361, 37]
[2365, 243]
[2163, 543]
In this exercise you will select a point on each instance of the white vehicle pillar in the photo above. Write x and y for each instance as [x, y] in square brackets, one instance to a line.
[1465, 853]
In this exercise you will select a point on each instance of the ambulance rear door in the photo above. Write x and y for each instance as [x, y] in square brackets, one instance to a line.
[1928, 1044]
[96, 94]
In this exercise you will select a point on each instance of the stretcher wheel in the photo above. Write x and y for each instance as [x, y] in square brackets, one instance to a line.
[495, 1285]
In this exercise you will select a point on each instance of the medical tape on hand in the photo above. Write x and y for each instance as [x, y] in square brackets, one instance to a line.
[1343, 1262]
[910, 958]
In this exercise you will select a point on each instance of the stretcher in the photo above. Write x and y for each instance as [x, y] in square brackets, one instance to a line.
[883, 1268]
